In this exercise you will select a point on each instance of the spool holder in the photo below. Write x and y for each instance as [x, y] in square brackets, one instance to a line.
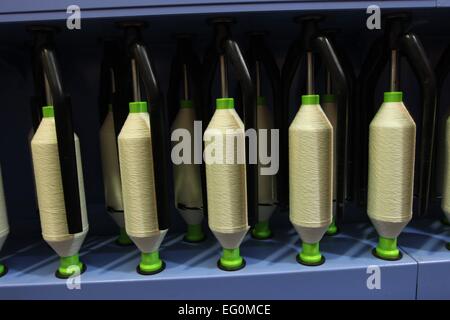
[45, 68]
[223, 44]
[311, 39]
[258, 57]
[397, 37]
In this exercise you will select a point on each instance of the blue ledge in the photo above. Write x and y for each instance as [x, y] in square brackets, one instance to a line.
[47, 10]
[191, 272]
[425, 241]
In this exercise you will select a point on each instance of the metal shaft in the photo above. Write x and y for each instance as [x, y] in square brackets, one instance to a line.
[310, 73]
[136, 84]
[223, 77]
[48, 93]
[394, 71]
[329, 89]
[185, 83]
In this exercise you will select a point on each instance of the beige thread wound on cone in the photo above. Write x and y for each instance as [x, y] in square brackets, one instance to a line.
[226, 183]
[138, 182]
[4, 226]
[446, 186]
[310, 168]
[187, 180]
[266, 183]
[44, 148]
[392, 138]
[110, 164]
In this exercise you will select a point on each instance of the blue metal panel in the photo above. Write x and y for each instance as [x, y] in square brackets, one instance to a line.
[191, 272]
[425, 242]
[46, 10]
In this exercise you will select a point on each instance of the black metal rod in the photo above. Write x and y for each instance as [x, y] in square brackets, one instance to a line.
[160, 138]
[239, 66]
[295, 54]
[329, 56]
[66, 142]
[420, 64]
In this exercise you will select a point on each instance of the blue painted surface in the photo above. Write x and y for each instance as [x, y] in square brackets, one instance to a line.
[425, 242]
[191, 272]
[46, 10]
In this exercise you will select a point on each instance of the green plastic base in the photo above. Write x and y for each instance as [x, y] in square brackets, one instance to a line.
[310, 255]
[387, 249]
[445, 221]
[150, 264]
[231, 260]
[3, 270]
[261, 231]
[69, 266]
[333, 229]
[194, 233]
[123, 239]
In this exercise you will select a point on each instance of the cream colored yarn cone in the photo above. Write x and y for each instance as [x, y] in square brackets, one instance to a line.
[226, 175]
[392, 139]
[310, 171]
[266, 183]
[138, 181]
[47, 171]
[187, 179]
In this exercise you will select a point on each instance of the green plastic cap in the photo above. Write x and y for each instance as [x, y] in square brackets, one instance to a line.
[332, 228]
[186, 104]
[394, 96]
[123, 239]
[225, 103]
[261, 101]
[194, 233]
[387, 248]
[310, 253]
[138, 107]
[310, 99]
[150, 262]
[231, 259]
[328, 98]
[48, 112]
[262, 230]
[69, 266]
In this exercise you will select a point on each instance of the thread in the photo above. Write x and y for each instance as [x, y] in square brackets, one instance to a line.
[446, 185]
[226, 183]
[110, 164]
[310, 169]
[4, 226]
[136, 168]
[266, 183]
[392, 138]
[49, 190]
[187, 179]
